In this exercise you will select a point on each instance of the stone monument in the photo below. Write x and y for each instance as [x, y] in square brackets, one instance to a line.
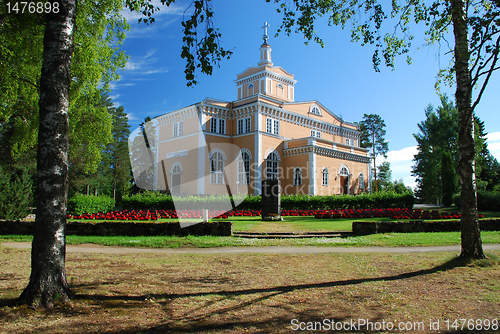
[271, 200]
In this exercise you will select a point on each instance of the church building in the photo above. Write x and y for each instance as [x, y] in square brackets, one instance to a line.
[214, 146]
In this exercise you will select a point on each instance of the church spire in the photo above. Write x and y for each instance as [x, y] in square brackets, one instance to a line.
[265, 49]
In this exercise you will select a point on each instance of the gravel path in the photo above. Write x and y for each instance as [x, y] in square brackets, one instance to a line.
[92, 248]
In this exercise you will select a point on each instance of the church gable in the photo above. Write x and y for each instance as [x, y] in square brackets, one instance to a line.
[315, 110]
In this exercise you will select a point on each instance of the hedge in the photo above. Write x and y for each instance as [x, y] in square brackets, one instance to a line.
[153, 200]
[486, 200]
[80, 204]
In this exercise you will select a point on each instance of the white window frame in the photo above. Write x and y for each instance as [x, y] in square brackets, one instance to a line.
[315, 133]
[272, 166]
[244, 168]
[244, 125]
[297, 176]
[218, 125]
[217, 168]
[248, 125]
[325, 176]
[361, 182]
[273, 126]
[178, 129]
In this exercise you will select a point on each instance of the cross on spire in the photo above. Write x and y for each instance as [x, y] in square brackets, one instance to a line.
[266, 36]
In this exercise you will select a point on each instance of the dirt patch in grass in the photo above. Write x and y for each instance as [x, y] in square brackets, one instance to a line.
[251, 293]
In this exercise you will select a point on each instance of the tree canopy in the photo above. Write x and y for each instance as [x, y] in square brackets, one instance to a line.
[373, 136]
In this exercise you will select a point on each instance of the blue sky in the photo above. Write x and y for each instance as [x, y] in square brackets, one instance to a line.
[340, 75]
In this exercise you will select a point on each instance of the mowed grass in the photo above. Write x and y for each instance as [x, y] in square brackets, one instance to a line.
[379, 240]
[254, 293]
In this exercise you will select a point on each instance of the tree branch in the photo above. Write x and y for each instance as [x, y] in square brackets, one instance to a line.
[25, 80]
[489, 72]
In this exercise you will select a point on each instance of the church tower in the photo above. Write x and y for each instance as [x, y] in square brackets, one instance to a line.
[266, 79]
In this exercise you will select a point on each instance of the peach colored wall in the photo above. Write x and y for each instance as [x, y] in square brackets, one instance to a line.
[290, 163]
[334, 166]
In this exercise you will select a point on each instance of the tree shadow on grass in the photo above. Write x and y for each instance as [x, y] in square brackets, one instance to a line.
[199, 320]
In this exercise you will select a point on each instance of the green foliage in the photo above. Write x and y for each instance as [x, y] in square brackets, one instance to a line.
[373, 137]
[94, 63]
[486, 200]
[15, 194]
[80, 204]
[448, 178]
[156, 200]
[437, 138]
[112, 175]
[438, 134]
[384, 175]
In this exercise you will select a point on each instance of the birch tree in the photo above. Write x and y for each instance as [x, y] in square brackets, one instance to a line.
[201, 50]
[475, 29]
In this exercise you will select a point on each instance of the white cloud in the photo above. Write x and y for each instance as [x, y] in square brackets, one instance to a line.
[159, 70]
[173, 9]
[117, 85]
[150, 53]
[405, 154]
[494, 136]
[401, 164]
[495, 149]
[131, 117]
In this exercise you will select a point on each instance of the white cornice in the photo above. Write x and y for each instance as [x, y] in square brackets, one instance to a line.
[327, 152]
[266, 73]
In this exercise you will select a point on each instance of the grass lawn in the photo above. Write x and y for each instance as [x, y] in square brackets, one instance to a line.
[255, 293]
[382, 240]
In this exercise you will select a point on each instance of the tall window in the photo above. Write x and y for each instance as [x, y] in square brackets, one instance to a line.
[272, 164]
[218, 125]
[349, 141]
[325, 176]
[361, 182]
[273, 126]
[217, 168]
[178, 129]
[244, 125]
[244, 168]
[250, 90]
[280, 90]
[176, 177]
[297, 176]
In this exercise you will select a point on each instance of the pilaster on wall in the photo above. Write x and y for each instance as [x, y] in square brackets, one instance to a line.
[312, 173]
[258, 153]
[201, 155]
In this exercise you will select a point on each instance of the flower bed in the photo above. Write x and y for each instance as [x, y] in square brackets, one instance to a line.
[393, 213]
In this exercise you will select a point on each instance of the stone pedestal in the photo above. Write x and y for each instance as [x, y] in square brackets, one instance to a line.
[271, 199]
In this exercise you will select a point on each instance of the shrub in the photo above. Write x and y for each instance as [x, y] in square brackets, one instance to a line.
[486, 200]
[15, 194]
[153, 200]
[80, 204]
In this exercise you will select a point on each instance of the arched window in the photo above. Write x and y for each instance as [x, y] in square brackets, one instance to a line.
[280, 90]
[272, 165]
[314, 109]
[217, 159]
[361, 182]
[344, 180]
[325, 176]
[175, 178]
[244, 167]
[250, 90]
[297, 176]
